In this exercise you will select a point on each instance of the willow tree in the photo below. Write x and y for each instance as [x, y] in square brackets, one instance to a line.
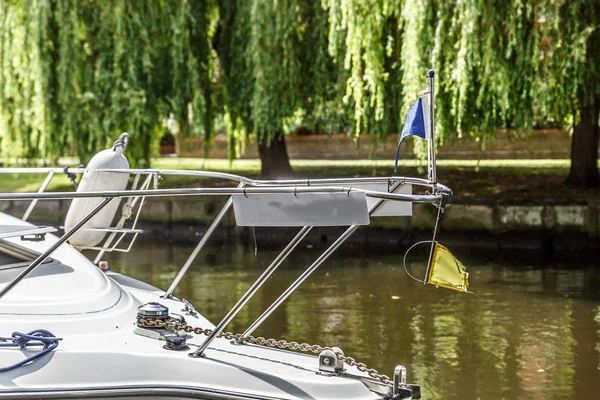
[74, 74]
[500, 64]
[570, 75]
[273, 57]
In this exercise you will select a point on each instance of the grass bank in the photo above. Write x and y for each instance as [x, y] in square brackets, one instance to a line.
[488, 180]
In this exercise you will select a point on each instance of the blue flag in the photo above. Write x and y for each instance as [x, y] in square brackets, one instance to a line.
[417, 123]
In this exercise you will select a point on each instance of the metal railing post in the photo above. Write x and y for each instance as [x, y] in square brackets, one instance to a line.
[311, 269]
[200, 245]
[40, 190]
[131, 202]
[430, 77]
[250, 292]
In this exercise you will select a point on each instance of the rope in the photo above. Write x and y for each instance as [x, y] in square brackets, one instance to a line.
[38, 337]
[404, 260]
[433, 243]
[72, 177]
[121, 142]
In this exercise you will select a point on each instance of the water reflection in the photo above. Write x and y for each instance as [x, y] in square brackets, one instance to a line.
[531, 333]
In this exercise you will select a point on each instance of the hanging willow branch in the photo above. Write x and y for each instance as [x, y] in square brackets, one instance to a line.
[274, 63]
[74, 74]
[500, 64]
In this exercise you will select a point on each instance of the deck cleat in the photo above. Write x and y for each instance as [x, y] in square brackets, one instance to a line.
[402, 390]
[329, 361]
[177, 343]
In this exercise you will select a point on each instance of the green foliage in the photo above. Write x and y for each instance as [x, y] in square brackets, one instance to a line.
[499, 64]
[75, 74]
[274, 63]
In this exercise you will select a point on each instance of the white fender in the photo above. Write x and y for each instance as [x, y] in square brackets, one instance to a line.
[93, 181]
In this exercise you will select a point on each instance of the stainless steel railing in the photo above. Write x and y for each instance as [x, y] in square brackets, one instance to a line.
[439, 195]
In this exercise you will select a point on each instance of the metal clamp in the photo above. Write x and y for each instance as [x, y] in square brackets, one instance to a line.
[402, 390]
[37, 237]
[399, 377]
[329, 361]
[188, 308]
[176, 343]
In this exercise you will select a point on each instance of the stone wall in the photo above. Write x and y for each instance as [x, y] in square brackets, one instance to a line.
[541, 144]
[548, 218]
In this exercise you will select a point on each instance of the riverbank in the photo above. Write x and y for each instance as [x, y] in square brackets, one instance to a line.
[508, 180]
[544, 231]
[545, 225]
[498, 217]
[497, 201]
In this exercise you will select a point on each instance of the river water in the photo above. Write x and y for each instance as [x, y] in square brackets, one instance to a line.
[530, 330]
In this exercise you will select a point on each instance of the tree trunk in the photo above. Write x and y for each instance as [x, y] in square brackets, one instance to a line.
[274, 158]
[584, 149]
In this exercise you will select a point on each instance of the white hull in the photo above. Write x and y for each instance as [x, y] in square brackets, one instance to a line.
[101, 356]
[103, 353]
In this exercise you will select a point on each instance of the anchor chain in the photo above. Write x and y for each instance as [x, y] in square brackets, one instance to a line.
[280, 344]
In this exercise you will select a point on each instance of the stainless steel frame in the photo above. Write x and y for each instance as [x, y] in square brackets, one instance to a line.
[309, 271]
[432, 164]
[245, 186]
[235, 178]
[200, 245]
[429, 198]
[127, 212]
[440, 196]
[253, 289]
[40, 190]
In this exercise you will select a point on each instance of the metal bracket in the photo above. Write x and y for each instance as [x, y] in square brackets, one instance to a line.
[399, 377]
[176, 343]
[446, 197]
[329, 361]
[38, 237]
[188, 308]
[177, 318]
[401, 390]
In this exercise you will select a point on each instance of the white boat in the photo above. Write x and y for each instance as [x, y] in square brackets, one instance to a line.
[71, 330]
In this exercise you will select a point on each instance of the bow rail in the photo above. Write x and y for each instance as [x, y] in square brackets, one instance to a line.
[380, 190]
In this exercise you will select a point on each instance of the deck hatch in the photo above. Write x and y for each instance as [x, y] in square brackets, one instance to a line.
[8, 231]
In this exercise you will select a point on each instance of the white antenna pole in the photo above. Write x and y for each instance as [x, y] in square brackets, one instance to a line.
[432, 172]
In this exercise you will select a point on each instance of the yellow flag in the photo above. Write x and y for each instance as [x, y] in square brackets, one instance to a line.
[446, 271]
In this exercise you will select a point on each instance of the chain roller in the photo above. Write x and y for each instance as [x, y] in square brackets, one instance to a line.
[280, 344]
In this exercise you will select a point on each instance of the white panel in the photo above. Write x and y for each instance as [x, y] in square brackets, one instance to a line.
[303, 209]
[391, 208]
